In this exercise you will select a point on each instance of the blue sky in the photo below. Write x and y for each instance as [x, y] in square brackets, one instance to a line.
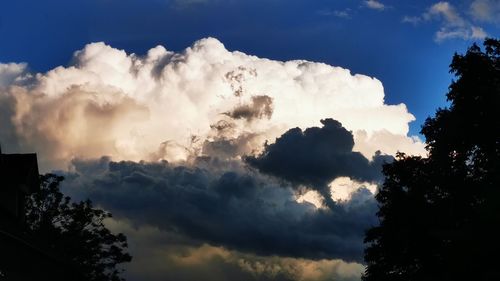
[406, 57]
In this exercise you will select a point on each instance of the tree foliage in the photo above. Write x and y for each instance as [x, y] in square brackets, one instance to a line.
[440, 215]
[76, 231]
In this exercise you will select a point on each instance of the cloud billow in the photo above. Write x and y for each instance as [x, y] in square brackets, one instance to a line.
[316, 156]
[237, 209]
[149, 107]
[261, 106]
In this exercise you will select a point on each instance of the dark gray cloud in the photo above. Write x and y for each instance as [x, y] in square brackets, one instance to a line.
[238, 209]
[160, 256]
[316, 156]
[227, 148]
[261, 106]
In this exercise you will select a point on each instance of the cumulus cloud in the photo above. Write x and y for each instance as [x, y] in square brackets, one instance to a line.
[165, 105]
[178, 126]
[232, 207]
[387, 142]
[453, 24]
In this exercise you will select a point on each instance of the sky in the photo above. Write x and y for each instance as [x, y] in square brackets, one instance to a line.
[232, 140]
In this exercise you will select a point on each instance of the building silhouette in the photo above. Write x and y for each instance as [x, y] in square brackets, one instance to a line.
[22, 255]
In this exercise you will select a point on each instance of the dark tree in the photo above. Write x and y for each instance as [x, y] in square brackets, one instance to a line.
[440, 215]
[76, 231]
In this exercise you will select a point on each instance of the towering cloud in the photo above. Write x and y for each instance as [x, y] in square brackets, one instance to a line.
[165, 105]
[317, 156]
[229, 159]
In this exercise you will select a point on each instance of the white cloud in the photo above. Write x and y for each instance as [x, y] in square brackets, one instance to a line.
[471, 32]
[388, 143]
[453, 24]
[466, 33]
[343, 188]
[376, 5]
[165, 104]
[478, 32]
[12, 72]
[447, 11]
[486, 10]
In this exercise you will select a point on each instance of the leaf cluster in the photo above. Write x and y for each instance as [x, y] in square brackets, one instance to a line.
[76, 231]
[439, 215]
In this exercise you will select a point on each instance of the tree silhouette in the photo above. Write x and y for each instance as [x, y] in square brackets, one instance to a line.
[76, 231]
[440, 215]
